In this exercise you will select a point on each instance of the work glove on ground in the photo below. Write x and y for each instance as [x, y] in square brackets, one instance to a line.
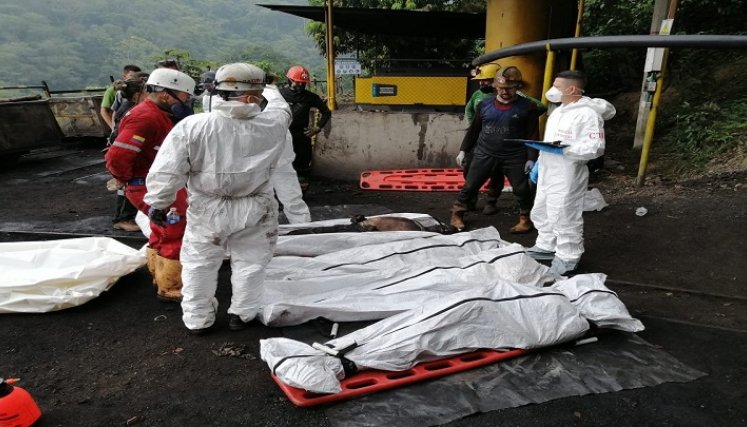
[114, 184]
[157, 216]
[311, 131]
[528, 166]
[460, 159]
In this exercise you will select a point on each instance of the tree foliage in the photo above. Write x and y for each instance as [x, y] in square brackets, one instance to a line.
[383, 51]
[625, 17]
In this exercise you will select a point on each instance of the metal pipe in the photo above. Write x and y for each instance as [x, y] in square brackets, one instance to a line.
[597, 42]
[21, 87]
[579, 21]
[649, 135]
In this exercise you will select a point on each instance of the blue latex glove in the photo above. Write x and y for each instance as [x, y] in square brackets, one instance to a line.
[534, 173]
[157, 216]
[546, 148]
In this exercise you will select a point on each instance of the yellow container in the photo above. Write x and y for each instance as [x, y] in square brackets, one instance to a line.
[411, 90]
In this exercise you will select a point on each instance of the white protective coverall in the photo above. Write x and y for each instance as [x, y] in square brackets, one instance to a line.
[284, 178]
[563, 179]
[287, 188]
[226, 158]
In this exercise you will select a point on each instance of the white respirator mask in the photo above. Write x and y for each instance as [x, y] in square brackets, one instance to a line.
[554, 95]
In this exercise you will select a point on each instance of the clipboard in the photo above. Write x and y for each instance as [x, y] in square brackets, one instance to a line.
[553, 144]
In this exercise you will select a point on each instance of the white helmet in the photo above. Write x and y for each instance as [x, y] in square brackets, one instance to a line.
[171, 79]
[239, 77]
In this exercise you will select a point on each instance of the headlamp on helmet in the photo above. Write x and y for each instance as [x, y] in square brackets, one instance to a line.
[166, 78]
[239, 77]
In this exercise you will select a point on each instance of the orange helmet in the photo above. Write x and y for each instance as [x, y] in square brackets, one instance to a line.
[298, 74]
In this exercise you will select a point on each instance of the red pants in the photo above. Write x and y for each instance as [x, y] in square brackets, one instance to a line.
[166, 240]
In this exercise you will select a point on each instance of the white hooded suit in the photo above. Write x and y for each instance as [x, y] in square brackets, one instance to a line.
[563, 178]
[226, 158]
[284, 178]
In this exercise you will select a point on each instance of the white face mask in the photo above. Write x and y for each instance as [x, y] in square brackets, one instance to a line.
[554, 95]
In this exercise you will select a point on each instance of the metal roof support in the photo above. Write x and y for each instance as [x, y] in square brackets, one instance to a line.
[331, 98]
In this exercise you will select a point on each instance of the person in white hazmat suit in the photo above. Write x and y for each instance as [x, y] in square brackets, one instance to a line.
[226, 158]
[284, 178]
[563, 178]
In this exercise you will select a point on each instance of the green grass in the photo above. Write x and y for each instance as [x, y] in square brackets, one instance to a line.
[706, 117]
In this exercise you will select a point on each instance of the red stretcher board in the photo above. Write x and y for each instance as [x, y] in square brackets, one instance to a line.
[449, 179]
[371, 381]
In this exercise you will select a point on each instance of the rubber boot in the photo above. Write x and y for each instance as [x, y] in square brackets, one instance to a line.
[457, 216]
[524, 225]
[471, 205]
[168, 279]
[489, 208]
[151, 255]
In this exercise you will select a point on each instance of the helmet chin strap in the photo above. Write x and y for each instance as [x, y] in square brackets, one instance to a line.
[173, 95]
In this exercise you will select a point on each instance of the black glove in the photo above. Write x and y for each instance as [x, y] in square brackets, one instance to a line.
[157, 216]
[270, 79]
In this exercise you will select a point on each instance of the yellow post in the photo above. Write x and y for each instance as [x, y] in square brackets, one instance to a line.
[331, 98]
[579, 21]
[511, 22]
[649, 135]
[547, 82]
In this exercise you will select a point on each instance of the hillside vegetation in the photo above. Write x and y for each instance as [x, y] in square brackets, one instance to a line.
[77, 43]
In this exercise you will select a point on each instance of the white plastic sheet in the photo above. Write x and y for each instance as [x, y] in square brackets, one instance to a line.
[492, 316]
[370, 276]
[594, 201]
[45, 276]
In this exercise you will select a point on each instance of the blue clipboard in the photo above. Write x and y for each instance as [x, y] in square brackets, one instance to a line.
[554, 144]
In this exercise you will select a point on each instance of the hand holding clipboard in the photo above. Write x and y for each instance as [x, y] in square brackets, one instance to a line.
[555, 147]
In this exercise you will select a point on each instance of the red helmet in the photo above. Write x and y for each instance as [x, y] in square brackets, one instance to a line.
[298, 74]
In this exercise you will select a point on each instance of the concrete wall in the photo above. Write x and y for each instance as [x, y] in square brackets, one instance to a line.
[374, 140]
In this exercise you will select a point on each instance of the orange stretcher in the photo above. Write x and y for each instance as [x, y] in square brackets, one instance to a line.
[449, 179]
[371, 381]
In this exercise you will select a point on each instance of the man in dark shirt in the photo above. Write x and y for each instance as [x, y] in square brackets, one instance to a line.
[301, 102]
[498, 119]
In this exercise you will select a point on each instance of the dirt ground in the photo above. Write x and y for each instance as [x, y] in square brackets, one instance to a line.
[126, 359]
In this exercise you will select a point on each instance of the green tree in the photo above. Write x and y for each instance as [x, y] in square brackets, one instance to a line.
[383, 51]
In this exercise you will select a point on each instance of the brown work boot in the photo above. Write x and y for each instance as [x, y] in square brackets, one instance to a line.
[168, 279]
[457, 216]
[524, 225]
[151, 255]
[126, 225]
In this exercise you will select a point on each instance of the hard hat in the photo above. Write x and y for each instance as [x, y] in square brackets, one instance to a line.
[487, 71]
[171, 79]
[298, 74]
[512, 74]
[169, 63]
[239, 77]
